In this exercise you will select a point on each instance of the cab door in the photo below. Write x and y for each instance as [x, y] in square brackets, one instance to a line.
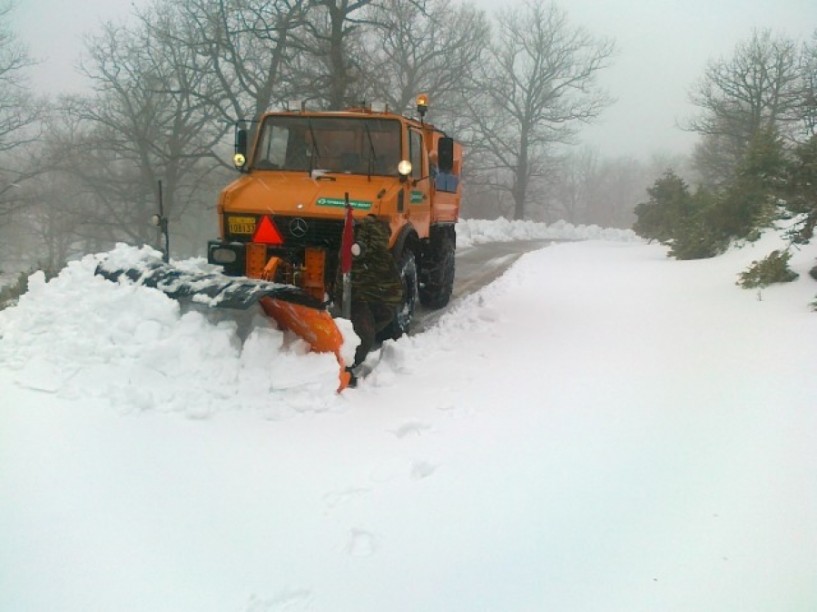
[419, 184]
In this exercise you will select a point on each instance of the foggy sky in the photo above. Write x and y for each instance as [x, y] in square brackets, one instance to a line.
[662, 48]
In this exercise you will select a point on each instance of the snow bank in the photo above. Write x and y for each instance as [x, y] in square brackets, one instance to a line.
[79, 335]
[477, 231]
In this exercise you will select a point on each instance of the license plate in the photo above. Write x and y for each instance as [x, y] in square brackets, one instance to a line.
[241, 225]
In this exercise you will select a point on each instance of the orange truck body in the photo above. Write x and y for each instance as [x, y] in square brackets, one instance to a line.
[312, 194]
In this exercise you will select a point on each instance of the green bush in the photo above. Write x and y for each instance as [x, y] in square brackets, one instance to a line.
[696, 239]
[702, 224]
[749, 203]
[669, 203]
[801, 194]
[774, 268]
[679, 219]
[742, 211]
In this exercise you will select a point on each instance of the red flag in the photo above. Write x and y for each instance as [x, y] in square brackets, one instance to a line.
[347, 241]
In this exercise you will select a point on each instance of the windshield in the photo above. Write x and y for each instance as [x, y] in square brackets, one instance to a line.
[332, 144]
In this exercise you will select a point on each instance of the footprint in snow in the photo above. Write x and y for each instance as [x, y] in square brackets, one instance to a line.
[288, 600]
[399, 469]
[361, 543]
[334, 499]
[422, 469]
[411, 428]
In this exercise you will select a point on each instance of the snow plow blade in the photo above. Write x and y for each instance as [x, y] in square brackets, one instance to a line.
[291, 307]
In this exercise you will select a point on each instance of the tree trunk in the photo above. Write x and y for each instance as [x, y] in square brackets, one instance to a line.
[520, 185]
[337, 60]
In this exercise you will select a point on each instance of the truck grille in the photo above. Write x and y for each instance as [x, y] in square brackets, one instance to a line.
[299, 231]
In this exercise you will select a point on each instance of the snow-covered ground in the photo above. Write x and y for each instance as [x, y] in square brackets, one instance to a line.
[479, 231]
[601, 429]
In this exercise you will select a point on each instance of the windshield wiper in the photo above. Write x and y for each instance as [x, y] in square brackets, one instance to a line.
[315, 153]
[372, 152]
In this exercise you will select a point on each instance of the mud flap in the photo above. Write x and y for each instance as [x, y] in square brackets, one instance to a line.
[291, 307]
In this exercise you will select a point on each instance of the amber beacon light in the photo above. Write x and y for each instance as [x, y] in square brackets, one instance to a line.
[422, 104]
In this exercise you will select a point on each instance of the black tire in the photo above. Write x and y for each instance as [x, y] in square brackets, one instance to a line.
[407, 265]
[438, 275]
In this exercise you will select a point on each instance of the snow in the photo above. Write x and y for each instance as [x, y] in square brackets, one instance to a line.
[601, 429]
[479, 231]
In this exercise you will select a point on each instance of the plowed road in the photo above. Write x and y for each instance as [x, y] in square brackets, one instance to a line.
[477, 266]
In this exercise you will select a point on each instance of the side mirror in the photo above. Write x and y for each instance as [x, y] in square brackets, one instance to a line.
[445, 154]
[240, 155]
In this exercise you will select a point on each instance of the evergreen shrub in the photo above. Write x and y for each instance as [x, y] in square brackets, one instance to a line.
[774, 268]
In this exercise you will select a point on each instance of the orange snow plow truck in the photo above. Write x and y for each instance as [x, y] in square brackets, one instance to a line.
[287, 223]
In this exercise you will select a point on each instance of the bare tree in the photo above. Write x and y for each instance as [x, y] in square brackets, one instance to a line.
[246, 45]
[56, 220]
[589, 189]
[574, 184]
[19, 115]
[326, 72]
[620, 185]
[331, 70]
[146, 122]
[808, 68]
[537, 86]
[432, 49]
[759, 88]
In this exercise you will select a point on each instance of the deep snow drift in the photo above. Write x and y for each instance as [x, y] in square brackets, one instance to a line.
[602, 428]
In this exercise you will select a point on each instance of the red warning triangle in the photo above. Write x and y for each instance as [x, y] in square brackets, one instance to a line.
[267, 233]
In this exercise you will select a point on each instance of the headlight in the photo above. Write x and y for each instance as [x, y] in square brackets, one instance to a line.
[223, 256]
[404, 167]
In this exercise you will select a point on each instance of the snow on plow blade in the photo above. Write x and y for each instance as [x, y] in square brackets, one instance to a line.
[291, 307]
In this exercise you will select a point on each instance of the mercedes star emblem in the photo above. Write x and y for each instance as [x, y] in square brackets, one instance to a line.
[298, 227]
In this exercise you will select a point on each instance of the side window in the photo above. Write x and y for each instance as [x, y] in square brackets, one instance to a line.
[262, 152]
[272, 147]
[416, 153]
[278, 146]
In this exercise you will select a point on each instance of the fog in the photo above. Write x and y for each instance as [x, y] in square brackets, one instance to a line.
[663, 47]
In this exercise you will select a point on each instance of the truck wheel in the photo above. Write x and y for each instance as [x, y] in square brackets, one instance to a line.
[405, 313]
[439, 275]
